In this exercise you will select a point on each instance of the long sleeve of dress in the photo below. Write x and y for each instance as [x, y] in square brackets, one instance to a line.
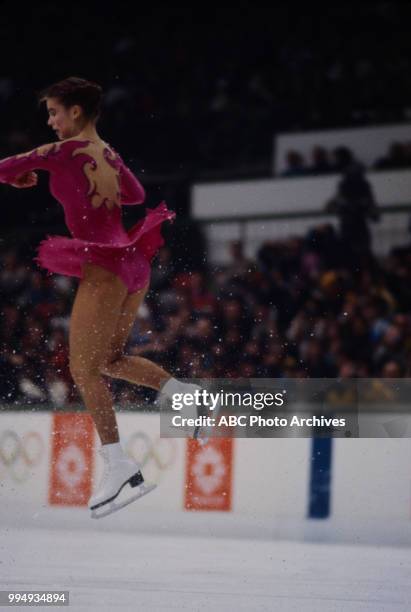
[132, 191]
[39, 158]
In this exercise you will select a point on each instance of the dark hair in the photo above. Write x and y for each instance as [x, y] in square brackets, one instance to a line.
[74, 90]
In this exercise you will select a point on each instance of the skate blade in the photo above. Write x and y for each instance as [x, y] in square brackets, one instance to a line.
[199, 436]
[112, 506]
[203, 434]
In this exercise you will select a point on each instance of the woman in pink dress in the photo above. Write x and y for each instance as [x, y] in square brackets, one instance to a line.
[92, 183]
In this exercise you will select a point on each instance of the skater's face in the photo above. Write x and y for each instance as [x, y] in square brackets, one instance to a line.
[65, 121]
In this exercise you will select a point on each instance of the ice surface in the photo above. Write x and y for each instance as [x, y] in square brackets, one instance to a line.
[133, 572]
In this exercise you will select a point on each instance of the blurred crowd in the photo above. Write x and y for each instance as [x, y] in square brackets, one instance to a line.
[211, 93]
[339, 159]
[187, 93]
[300, 308]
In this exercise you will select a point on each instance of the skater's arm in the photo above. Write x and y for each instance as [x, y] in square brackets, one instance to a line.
[18, 169]
[132, 191]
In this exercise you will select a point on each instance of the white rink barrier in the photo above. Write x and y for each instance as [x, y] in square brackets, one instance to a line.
[233, 199]
[237, 199]
[242, 487]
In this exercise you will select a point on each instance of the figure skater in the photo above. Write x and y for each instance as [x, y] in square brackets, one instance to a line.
[90, 180]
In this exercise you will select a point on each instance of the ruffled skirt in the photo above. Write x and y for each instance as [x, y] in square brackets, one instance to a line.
[129, 260]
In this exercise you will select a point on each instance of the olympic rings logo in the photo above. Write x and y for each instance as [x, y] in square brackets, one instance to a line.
[19, 455]
[158, 455]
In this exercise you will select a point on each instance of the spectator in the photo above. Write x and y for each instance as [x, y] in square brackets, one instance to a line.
[343, 159]
[397, 158]
[275, 322]
[354, 204]
[294, 165]
[320, 163]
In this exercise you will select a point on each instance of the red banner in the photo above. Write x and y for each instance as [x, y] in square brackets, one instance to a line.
[209, 475]
[72, 450]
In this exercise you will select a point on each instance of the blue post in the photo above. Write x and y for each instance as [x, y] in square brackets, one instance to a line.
[320, 478]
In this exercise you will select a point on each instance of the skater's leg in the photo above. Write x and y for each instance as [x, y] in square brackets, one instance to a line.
[93, 320]
[132, 368]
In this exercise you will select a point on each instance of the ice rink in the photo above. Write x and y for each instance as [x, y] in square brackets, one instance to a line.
[109, 570]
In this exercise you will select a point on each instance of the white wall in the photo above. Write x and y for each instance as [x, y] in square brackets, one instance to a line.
[271, 196]
[289, 195]
[368, 143]
[372, 479]
[19, 481]
[271, 478]
[370, 490]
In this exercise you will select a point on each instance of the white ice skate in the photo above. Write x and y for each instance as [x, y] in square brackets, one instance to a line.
[205, 432]
[201, 433]
[119, 471]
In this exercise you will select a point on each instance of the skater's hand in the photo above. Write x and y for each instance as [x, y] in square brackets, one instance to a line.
[28, 179]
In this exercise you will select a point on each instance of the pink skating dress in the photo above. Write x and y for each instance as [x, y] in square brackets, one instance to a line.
[81, 179]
